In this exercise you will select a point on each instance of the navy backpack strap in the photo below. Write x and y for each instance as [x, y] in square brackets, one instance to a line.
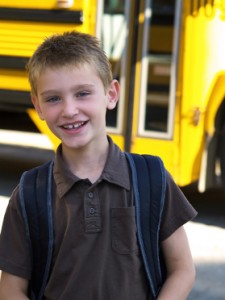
[36, 206]
[149, 184]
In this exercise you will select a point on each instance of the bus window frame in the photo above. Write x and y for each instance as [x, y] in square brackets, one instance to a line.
[173, 79]
[118, 129]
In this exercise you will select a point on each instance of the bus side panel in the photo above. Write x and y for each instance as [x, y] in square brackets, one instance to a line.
[23, 26]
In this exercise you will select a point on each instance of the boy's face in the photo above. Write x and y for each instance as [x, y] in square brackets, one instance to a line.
[73, 103]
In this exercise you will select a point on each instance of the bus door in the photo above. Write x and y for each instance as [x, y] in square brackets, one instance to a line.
[145, 50]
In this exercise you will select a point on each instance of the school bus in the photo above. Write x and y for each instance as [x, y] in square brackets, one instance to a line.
[169, 57]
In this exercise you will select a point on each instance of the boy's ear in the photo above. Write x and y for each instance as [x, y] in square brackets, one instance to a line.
[113, 94]
[37, 107]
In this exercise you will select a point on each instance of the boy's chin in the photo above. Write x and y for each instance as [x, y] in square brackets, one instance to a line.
[78, 145]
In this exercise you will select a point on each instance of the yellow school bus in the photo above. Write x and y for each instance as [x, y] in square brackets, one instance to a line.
[169, 57]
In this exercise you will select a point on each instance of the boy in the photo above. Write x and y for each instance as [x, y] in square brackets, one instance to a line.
[96, 254]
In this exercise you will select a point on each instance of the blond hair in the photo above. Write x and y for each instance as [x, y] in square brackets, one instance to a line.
[69, 49]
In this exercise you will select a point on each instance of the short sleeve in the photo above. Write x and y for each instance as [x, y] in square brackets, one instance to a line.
[177, 209]
[15, 256]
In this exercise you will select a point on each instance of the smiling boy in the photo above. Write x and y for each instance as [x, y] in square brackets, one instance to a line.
[73, 102]
[96, 253]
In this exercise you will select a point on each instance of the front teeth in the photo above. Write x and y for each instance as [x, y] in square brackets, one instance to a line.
[74, 126]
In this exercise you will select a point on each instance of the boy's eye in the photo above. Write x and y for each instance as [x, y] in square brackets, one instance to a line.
[53, 99]
[82, 94]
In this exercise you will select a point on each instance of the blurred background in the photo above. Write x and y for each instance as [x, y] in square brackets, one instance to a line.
[169, 58]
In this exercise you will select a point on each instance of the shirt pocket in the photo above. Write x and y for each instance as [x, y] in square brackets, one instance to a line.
[124, 230]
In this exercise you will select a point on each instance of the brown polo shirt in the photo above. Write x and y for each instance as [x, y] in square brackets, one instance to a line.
[96, 254]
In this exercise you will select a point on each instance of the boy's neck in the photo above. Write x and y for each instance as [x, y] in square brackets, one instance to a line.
[88, 163]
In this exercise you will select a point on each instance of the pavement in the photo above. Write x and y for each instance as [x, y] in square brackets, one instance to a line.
[208, 249]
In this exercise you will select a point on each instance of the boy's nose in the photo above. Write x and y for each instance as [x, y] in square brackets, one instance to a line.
[70, 108]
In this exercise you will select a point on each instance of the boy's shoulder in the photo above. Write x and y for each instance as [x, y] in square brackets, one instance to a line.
[38, 175]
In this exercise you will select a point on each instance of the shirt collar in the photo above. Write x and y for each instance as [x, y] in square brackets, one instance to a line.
[116, 170]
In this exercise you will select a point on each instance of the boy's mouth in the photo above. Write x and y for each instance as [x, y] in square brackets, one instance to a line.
[74, 126]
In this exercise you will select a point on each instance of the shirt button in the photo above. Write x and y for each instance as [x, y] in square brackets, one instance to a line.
[91, 210]
[90, 195]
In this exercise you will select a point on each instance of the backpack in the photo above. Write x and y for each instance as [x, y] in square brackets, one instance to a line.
[149, 185]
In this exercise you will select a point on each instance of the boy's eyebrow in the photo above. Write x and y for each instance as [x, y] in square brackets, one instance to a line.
[77, 87]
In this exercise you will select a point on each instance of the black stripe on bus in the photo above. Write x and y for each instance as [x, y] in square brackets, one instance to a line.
[41, 15]
[13, 62]
[157, 88]
[162, 20]
[12, 100]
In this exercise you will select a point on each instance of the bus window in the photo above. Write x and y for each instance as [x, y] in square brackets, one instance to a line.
[158, 72]
[113, 42]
